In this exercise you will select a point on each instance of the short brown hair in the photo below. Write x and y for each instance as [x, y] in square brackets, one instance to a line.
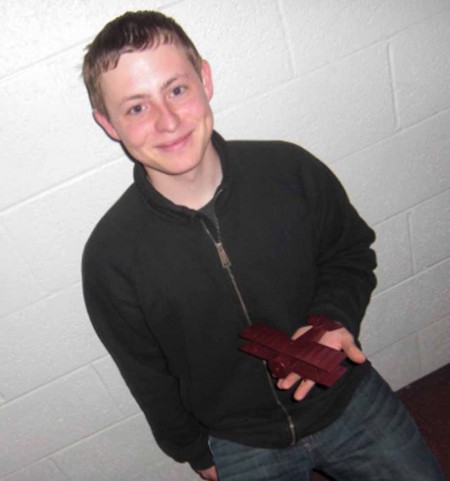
[130, 32]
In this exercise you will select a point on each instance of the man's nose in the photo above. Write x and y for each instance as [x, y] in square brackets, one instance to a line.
[167, 119]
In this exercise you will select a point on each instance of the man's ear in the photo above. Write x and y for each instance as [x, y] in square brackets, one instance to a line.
[207, 79]
[106, 125]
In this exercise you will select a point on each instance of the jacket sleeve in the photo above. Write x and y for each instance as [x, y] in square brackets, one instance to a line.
[344, 258]
[116, 317]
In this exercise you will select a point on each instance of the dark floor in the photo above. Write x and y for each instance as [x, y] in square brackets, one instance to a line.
[428, 400]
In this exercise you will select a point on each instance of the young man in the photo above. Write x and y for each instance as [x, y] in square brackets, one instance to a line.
[211, 237]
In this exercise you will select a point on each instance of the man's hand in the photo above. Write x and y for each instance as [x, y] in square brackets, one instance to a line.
[339, 339]
[210, 474]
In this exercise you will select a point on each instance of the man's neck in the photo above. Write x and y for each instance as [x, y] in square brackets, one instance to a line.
[195, 188]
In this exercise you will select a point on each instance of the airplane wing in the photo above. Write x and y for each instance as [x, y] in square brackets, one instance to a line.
[318, 375]
[304, 355]
[314, 353]
[264, 342]
[266, 336]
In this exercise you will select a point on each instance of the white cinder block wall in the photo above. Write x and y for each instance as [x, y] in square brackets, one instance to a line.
[363, 85]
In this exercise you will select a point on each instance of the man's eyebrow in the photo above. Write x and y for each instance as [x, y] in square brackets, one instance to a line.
[166, 84]
[169, 82]
[134, 97]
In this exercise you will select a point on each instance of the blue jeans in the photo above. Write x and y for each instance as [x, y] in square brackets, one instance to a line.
[375, 439]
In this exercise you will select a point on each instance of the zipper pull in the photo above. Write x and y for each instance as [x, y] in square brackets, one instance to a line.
[225, 261]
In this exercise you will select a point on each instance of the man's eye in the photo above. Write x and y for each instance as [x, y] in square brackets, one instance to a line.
[178, 90]
[136, 109]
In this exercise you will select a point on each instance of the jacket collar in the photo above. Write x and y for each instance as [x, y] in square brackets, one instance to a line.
[167, 208]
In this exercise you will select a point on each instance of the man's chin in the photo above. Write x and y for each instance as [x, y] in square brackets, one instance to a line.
[172, 171]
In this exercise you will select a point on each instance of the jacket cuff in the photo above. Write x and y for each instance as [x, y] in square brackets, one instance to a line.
[335, 315]
[324, 322]
[204, 461]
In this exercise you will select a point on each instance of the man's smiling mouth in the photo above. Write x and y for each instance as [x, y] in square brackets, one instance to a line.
[175, 144]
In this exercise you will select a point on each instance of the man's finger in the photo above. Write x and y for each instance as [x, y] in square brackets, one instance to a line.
[354, 353]
[303, 389]
[288, 381]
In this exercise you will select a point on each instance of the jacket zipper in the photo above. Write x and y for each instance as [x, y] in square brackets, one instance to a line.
[226, 265]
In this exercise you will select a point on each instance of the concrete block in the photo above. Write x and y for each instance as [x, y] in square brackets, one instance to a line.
[52, 418]
[116, 386]
[324, 30]
[399, 363]
[333, 112]
[430, 231]
[434, 346]
[244, 43]
[407, 308]
[45, 341]
[393, 248]
[51, 231]
[54, 138]
[421, 69]
[125, 451]
[18, 285]
[31, 31]
[400, 172]
[40, 471]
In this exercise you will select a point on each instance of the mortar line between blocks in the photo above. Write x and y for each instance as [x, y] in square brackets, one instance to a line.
[390, 59]
[60, 185]
[413, 277]
[401, 131]
[105, 385]
[286, 37]
[411, 243]
[92, 435]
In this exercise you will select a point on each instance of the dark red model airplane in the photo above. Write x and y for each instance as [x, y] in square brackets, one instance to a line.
[304, 355]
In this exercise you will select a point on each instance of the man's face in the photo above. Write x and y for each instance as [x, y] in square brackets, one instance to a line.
[159, 109]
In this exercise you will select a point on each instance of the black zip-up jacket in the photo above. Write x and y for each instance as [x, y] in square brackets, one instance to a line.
[167, 306]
